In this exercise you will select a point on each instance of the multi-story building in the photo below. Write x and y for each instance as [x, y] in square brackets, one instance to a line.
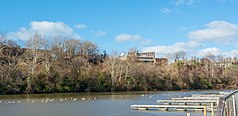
[147, 57]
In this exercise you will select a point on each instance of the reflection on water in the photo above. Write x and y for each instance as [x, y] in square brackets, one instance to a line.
[89, 104]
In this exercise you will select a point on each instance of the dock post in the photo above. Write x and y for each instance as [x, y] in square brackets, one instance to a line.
[205, 111]
[212, 106]
[188, 114]
[234, 105]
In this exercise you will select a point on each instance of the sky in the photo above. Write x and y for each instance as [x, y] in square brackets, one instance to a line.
[197, 27]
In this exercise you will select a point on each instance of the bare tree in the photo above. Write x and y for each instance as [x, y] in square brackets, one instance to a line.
[210, 56]
[180, 55]
[88, 48]
[72, 47]
[35, 46]
[112, 65]
[3, 39]
[10, 59]
[57, 48]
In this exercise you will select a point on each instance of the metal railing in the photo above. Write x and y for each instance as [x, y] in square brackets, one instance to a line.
[227, 105]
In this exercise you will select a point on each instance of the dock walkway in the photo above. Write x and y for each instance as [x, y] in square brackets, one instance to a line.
[197, 102]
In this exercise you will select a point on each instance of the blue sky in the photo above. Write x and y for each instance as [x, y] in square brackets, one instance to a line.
[198, 27]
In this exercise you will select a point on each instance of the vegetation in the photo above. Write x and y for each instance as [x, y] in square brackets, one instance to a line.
[68, 65]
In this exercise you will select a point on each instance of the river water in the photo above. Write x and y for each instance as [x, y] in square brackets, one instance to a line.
[90, 104]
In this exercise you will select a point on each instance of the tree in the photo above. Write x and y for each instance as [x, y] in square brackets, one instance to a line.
[180, 55]
[111, 63]
[3, 38]
[72, 47]
[88, 49]
[10, 58]
[14, 56]
[35, 46]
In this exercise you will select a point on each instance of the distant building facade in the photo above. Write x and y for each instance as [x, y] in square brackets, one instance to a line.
[147, 57]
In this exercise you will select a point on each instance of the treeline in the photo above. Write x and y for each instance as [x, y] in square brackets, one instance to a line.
[69, 65]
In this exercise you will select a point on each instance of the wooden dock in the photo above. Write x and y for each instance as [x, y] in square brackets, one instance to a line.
[197, 102]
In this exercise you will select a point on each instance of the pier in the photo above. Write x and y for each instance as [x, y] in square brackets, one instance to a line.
[196, 102]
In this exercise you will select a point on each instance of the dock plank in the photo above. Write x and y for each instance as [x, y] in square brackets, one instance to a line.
[188, 101]
[167, 107]
[197, 98]
[208, 95]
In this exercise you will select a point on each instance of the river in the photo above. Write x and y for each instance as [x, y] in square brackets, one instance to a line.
[89, 104]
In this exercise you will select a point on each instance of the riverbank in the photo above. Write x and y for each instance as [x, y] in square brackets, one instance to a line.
[112, 92]
[58, 70]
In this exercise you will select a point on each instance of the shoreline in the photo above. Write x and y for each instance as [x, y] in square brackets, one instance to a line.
[118, 92]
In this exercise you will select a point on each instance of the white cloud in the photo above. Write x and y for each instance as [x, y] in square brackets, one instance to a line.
[99, 33]
[218, 31]
[80, 26]
[215, 51]
[22, 34]
[184, 2]
[166, 11]
[127, 37]
[233, 53]
[45, 28]
[215, 31]
[132, 38]
[169, 51]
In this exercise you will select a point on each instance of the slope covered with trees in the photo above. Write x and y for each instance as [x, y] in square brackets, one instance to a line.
[69, 65]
